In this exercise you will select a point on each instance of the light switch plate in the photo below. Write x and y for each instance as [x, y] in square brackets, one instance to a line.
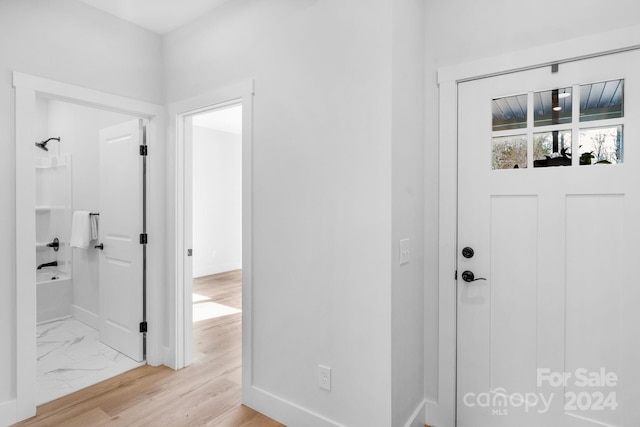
[405, 251]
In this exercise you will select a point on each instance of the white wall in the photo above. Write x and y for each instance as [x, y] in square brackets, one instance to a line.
[465, 30]
[71, 42]
[407, 291]
[321, 192]
[217, 201]
[337, 182]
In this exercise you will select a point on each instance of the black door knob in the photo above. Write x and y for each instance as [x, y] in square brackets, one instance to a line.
[100, 246]
[467, 252]
[468, 276]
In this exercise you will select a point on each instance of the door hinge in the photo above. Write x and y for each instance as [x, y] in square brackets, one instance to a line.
[456, 275]
[143, 326]
[143, 239]
[144, 150]
[189, 252]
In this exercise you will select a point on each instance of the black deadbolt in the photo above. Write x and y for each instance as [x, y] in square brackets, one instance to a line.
[467, 252]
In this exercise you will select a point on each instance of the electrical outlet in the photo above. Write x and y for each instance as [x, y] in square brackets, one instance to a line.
[324, 377]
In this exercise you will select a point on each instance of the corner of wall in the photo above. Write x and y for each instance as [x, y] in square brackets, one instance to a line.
[8, 413]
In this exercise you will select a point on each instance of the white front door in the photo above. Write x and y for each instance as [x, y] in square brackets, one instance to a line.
[120, 226]
[549, 188]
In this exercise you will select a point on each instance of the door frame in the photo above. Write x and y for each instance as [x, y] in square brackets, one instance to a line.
[442, 409]
[179, 352]
[27, 88]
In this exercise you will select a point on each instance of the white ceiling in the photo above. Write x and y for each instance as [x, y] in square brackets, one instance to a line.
[224, 120]
[159, 16]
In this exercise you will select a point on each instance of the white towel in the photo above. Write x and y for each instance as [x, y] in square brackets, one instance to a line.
[80, 230]
[93, 219]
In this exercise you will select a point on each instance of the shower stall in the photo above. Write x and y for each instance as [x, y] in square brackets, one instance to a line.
[53, 224]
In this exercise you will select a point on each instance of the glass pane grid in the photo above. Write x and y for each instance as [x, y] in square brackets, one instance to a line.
[552, 115]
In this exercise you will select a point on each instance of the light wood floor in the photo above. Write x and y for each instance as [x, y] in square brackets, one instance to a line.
[206, 393]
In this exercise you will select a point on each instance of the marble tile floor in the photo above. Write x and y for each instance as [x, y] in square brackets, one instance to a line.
[71, 357]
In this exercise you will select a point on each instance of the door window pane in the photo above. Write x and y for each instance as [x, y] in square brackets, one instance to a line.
[509, 112]
[552, 149]
[604, 100]
[509, 152]
[601, 145]
[552, 107]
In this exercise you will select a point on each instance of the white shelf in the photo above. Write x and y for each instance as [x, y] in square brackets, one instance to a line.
[51, 277]
[50, 162]
[47, 208]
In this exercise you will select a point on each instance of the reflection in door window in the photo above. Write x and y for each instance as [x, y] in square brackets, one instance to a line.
[552, 107]
[509, 152]
[552, 149]
[604, 100]
[509, 112]
[601, 145]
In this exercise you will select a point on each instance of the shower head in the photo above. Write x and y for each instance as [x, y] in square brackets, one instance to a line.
[43, 145]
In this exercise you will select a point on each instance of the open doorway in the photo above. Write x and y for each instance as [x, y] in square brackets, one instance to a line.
[216, 205]
[30, 125]
[238, 97]
[89, 273]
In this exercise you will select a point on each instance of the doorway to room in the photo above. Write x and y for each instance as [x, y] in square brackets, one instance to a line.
[49, 188]
[215, 139]
[88, 213]
[238, 98]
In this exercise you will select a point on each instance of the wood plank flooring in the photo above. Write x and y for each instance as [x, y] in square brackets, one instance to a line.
[207, 393]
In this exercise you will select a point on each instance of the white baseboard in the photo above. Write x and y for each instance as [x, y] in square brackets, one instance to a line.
[85, 316]
[8, 413]
[283, 411]
[417, 419]
[167, 358]
[434, 414]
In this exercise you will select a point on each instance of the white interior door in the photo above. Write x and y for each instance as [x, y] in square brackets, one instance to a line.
[550, 338]
[121, 223]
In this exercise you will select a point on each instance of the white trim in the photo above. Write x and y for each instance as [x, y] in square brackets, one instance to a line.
[88, 97]
[85, 316]
[8, 413]
[25, 256]
[442, 412]
[27, 88]
[284, 411]
[417, 417]
[179, 295]
[565, 51]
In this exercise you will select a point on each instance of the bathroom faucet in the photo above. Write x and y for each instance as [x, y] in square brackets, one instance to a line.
[48, 264]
